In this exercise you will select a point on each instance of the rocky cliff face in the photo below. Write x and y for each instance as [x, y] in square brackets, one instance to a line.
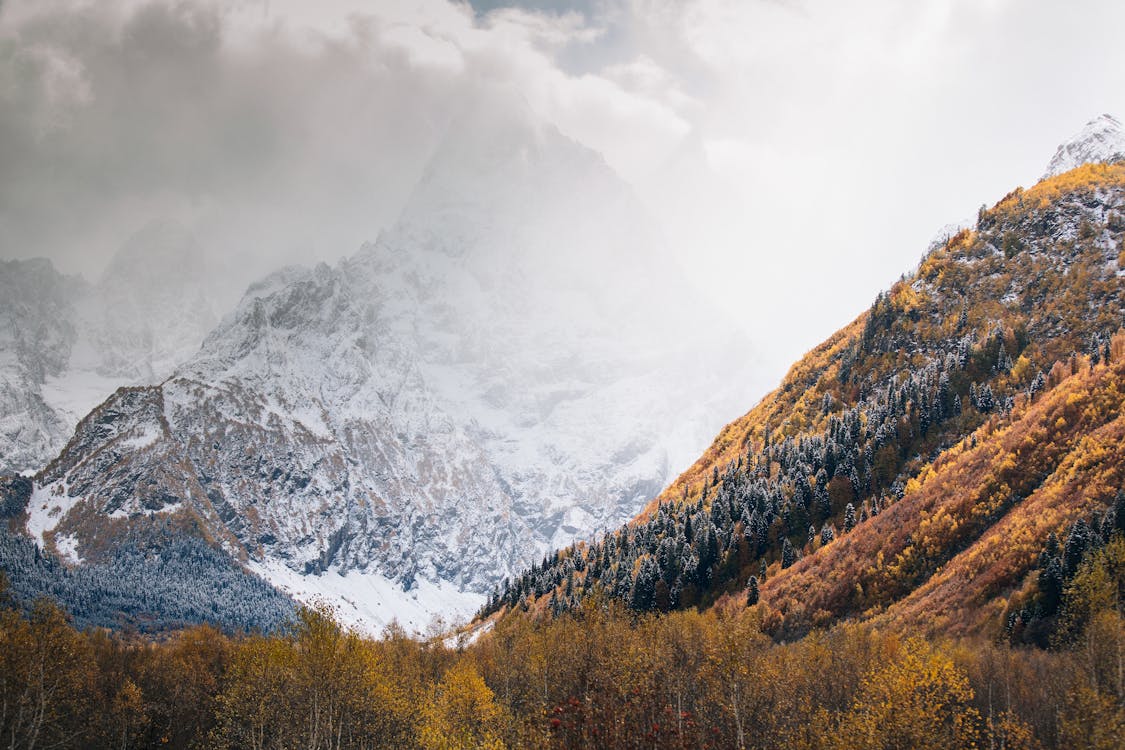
[500, 373]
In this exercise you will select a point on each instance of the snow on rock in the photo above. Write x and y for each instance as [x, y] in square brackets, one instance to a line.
[66, 345]
[513, 365]
[67, 547]
[948, 232]
[1101, 140]
[46, 508]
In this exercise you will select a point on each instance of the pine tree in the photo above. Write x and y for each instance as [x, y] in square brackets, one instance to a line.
[1003, 361]
[1115, 519]
[986, 402]
[1050, 550]
[1077, 542]
[849, 518]
[788, 555]
[1051, 582]
[752, 592]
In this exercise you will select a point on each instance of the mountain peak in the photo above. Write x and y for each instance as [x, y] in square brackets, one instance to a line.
[1102, 139]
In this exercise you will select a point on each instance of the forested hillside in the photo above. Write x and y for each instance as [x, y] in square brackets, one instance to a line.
[913, 465]
[152, 584]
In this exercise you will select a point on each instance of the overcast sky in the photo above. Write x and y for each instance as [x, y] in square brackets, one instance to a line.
[798, 155]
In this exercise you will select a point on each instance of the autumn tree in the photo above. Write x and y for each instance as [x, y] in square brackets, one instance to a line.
[47, 674]
[461, 713]
[918, 700]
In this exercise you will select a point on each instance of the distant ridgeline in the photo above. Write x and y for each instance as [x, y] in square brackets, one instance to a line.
[917, 461]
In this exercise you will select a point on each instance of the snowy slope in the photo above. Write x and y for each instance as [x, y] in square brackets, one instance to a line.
[66, 344]
[37, 333]
[1102, 139]
[511, 366]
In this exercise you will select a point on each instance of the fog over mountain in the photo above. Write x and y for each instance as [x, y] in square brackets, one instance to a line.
[498, 375]
[68, 344]
[284, 132]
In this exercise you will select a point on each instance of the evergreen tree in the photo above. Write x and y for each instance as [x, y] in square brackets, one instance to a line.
[1077, 542]
[752, 592]
[1051, 584]
[1003, 361]
[1050, 550]
[986, 402]
[788, 554]
[1115, 519]
[849, 518]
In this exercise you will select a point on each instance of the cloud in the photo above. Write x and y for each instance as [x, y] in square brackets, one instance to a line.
[832, 139]
[277, 132]
[109, 118]
[798, 153]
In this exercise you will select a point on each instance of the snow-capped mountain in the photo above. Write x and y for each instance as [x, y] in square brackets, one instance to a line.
[36, 337]
[68, 344]
[1102, 139]
[513, 365]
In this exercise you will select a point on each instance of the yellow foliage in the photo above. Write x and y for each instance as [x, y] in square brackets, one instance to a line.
[1092, 720]
[1021, 370]
[1050, 189]
[323, 683]
[920, 700]
[461, 713]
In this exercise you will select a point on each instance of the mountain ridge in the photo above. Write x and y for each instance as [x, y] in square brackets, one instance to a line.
[859, 422]
[490, 378]
[75, 342]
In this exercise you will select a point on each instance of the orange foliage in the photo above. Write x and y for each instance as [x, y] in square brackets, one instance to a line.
[943, 558]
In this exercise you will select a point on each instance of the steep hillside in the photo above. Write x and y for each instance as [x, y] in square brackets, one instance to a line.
[1044, 264]
[35, 344]
[850, 489]
[946, 556]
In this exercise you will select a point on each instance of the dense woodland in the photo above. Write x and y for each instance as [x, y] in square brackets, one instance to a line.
[917, 541]
[600, 676]
[153, 583]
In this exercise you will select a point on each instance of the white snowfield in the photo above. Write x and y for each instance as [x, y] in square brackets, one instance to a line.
[370, 602]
